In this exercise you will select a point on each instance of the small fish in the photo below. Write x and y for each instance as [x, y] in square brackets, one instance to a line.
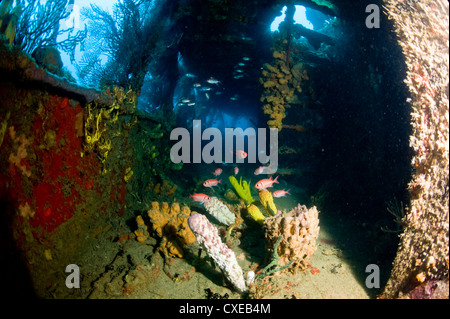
[281, 193]
[266, 183]
[211, 182]
[207, 96]
[239, 71]
[246, 58]
[233, 98]
[197, 85]
[241, 154]
[259, 170]
[190, 75]
[237, 77]
[217, 172]
[186, 101]
[212, 80]
[191, 104]
[236, 170]
[202, 198]
[241, 64]
[287, 151]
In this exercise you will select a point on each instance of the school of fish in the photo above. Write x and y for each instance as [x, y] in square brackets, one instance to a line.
[260, 185]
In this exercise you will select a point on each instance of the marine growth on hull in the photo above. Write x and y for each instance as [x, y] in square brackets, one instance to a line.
[213, 149]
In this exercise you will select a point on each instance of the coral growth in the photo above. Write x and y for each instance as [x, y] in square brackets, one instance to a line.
[166, 189]
[230, 195]
[9, 18]
[17, 159]
[298, 230]
[171, 225]
[423, 253]
[242, 188]
[39, 26]
[141, 233]
[256, 214]
[220, 211]
[50, 59]
[281, 85]
[93, 131]
[101, 122]
[3, 126]
[208, 236]
[266, 200]
[26, 211]
[128, 174]
[126, 27]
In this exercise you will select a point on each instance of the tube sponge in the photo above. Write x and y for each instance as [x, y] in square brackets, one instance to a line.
[170, 222]
[242, 188]
[256, 214]
[266, 199]
[141, 233]
[220, 211]
[208, 236]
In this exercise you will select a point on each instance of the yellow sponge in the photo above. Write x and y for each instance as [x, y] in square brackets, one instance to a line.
[267, 200]
[255, 213]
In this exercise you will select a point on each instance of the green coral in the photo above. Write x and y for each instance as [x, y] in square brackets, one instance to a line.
[242, 188]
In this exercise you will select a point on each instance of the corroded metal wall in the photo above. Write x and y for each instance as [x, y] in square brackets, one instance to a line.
[422, 262]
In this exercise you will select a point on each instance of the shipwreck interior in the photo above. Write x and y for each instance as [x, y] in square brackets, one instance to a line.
[85, 154]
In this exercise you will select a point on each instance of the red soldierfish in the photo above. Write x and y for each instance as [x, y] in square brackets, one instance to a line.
[265, 183]
[241, 154]
[281, 193]
[217, 172]
[202, 198]
[236, 170]
[211, 182]
[259, 170]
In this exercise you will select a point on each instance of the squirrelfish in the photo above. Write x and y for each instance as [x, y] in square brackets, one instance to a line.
[281, 193]
[202, 198]
[259, 170]
[241, 154]
[217, 172]
[265, 183]
[236, 170]
[211, 182]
